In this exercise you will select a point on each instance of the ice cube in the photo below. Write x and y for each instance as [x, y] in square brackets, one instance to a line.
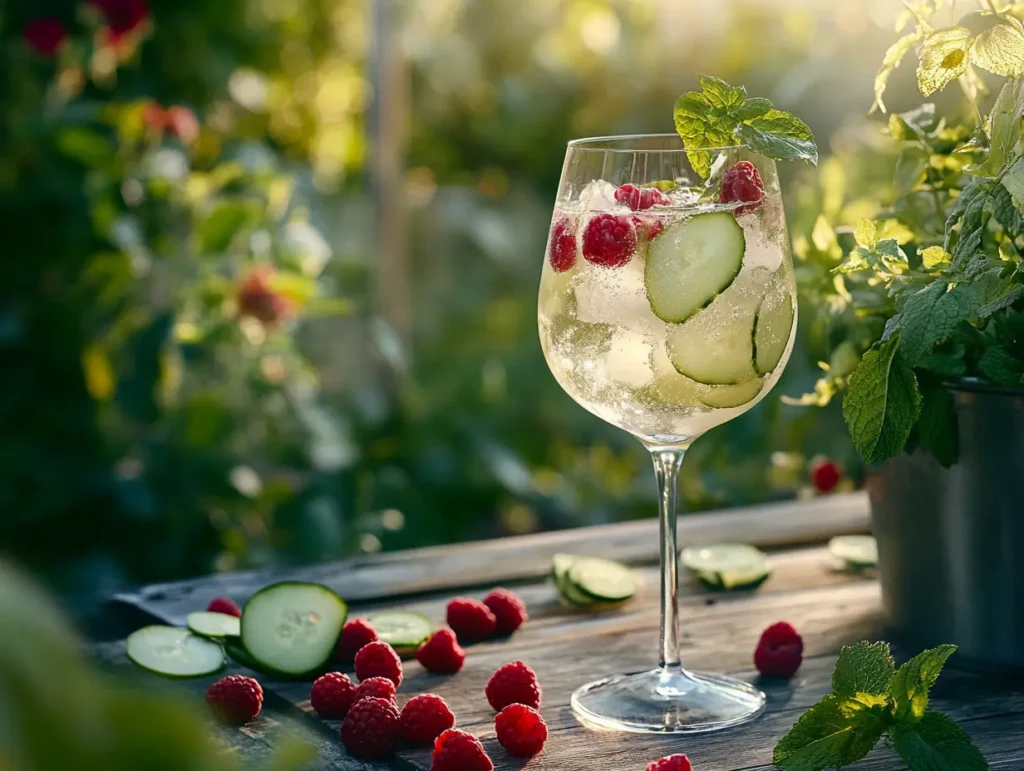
[599, 196]
[616, 296]
[628, 361]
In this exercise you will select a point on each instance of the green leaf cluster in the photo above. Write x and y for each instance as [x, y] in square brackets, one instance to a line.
[870, 699]
[721, 115]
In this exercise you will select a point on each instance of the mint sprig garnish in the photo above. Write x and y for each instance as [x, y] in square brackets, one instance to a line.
[870, 699]
[721, 115]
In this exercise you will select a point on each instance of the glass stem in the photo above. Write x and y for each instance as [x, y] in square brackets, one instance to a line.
[666, 469]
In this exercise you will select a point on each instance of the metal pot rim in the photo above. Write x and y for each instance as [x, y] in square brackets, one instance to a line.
[977, 385]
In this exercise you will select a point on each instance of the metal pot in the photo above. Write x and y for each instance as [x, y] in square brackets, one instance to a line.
[951, 541]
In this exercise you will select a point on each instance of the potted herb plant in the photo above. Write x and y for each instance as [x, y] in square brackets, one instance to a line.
[923, 307]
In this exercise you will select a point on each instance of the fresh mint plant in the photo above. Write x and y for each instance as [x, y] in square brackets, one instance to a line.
[870, 699]
[935, 279]
[720, 115]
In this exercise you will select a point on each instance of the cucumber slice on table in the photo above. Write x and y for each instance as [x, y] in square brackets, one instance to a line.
[173, 652]
[602, 580]
[403, 631]
[215, 625]
[691, 262]
[773, 324]
[292, 627]
[727, 566]
[855, 551]
[573, 594]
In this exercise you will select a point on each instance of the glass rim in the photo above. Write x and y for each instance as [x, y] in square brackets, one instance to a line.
[605, 144]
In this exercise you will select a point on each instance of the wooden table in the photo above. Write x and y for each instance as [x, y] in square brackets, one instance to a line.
[568, 648]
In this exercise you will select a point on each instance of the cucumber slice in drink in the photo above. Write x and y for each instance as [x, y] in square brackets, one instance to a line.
[403, 631]
[855, 551]
[726, 566]
[692, 262]
[724, 396]
[292, 627]
[173, 652]
[214, 625]
[773, 324]
[602, 580]
[715, 347]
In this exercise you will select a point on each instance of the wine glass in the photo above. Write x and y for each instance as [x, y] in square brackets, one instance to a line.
[667, 306]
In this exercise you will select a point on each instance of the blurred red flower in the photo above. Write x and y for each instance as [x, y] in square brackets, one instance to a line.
[122, 16]
[256, 298]
[178, 121]
[45, 35]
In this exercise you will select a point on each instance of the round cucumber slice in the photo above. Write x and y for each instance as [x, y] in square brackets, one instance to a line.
[173, 652]
[727, 566]
[215, 625]
[691, 262]
[292, 627]
[602, 580]
[715, 347]
[401, 630]
[773, 324]
[724, 396]
[856, 551]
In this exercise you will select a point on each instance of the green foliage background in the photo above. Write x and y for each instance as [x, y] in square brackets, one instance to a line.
[147, 434]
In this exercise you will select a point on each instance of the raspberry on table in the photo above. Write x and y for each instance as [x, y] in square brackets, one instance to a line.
[356, 634]
[641, 198]
[508, 608]
[513, 683]
[370, 729]
[378, 659]
[442, 653]
[562, 250]
[376, 687]
[780, 651]
[521, 730]
[609, 240]
[825, 475]
[425, 718]
[671, 763]
[470, 619]
[457, 750]
[332, 695]
[235, 699]
[224, 605]
[742, 182]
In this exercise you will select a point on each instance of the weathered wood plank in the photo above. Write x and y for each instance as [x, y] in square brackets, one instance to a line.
[518, 559]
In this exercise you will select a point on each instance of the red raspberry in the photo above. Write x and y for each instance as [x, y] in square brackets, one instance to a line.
[562, 251]
[45, 35]
[425, 718]
[521, 730]
[779, 651]
[513, 683]
[470, 619]
[258, 299]
[459, 751]
[742, 183]
[371, 729]
[641, 198]
[442, 653]
[122, 16]
[508, 608]
[224, 605]
[648, 227]
[235, 699]
[378, 659]
[332, 695]
[354, 635]
[376, 688]
[825, 474]
[671, 763]
[609, 240]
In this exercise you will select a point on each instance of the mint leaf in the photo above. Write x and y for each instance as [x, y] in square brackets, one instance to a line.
[834, 732]
[1001, 303]
[863, 668]
[936, 743]
[1004, 129]
[934, 257]
[968, 211]
[931, 315]
[937, 427]
[1006, 213]
[882, 402]
[701, 125]
[942, 58]
[893, 56]
[910, 168]
[720, 94]
[755, 107]
[1000, 48]
[779, 135]
[914, 679]
[944, 364]
[1001, 368]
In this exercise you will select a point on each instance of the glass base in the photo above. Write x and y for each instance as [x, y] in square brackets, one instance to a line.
[667, 701]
